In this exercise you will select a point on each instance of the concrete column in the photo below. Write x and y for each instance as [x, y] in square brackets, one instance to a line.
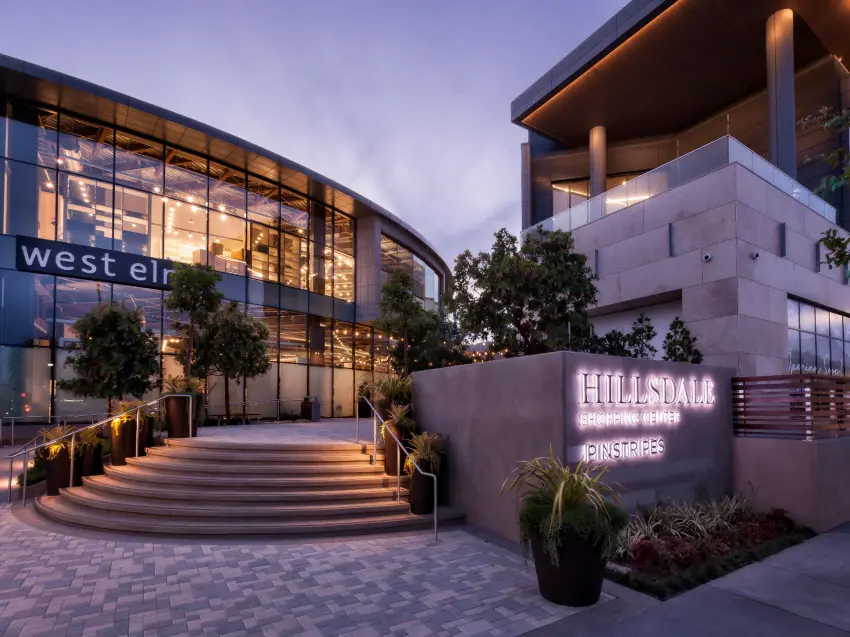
[780, 91]
[525, 184]
[368, 264]
[598, 160]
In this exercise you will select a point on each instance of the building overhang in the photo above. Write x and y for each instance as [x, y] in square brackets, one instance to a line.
[661, 66]
[50, 88]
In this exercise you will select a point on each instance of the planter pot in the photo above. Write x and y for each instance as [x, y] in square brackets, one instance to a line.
[363, 410]
[422, 491]
[577, 580]
[118, 445]
[88, 463]
[129, 436]
[392, 453]
[177, 415]
[57, 472]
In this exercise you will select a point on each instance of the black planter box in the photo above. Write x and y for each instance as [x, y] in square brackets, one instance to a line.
[422, 491]
[57, 471]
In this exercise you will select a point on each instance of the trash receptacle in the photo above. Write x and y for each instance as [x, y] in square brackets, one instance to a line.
[311, 409]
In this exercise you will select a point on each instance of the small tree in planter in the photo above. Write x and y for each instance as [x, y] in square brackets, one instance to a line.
[403, 426]
[392, 400]
[89, 455]
[233, 346]
[427, 451]
[364, 390]
[569, 518]
[177, 407]
[115, 357]
[57, 457]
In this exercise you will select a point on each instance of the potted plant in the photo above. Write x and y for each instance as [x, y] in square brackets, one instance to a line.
[57, 457]
[570, 519]
[177, 407]
[129, 424]
[427, 451]
[89, 454]
[400, 423]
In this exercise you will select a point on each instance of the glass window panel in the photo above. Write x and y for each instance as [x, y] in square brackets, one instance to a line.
[343, 277]
[264, 252]
[418, 277]
[138, 222]
[295, 270]
[139, 162]
[28, 200]
[293, 212]
[269, 317]
[343, 393]
[86, 148]
[824, 360]
[321, 386]
[821, 322]
[343, 234]
[263, 201]
[836, 328]
[362, 347]
[24, 381]
[405, 260]
[846, 360]
[383, 353]
[321, 269]
[31, 134]
[807, 317]
[172, 338]
[185, 232]
[293, 337]
[227, 189]
[227, 244]
[293, 388]
[389, 254]
[793, 314]
[185, 177]
[343, 344]
[26, 308]
[85, 211]
[836, 357]
[793, 351]
[808, 355]
[67, 403]
[74, 299]
[148, 301]
[320, 339]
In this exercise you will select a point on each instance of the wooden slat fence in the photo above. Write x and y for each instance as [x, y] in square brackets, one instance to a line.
[796, 406]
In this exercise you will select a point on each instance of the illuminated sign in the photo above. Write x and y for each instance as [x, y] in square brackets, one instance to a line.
[628, 413]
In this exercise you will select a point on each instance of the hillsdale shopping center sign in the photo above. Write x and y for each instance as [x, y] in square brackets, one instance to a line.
[623, 418]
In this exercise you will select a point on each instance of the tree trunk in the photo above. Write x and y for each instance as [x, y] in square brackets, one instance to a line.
[227, 398]
[188, 366]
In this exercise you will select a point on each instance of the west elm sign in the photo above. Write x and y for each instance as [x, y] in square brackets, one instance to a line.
[66, 259]
[623, 418]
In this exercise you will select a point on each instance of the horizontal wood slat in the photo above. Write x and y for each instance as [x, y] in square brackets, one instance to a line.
[798, 406]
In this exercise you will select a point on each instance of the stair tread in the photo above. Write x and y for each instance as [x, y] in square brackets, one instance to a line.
[188, 453]
[233, 445]
[265, 468]
[86, 497]
[115, 484]
[58, 509]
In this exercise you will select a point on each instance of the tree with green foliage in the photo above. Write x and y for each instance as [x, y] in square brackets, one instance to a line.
[233, 346]
[435, 342]
[401, 314]
[640, 338]
[525, 298]
[837, 246]
[115, 356]
[614, 343]
[679, 346]
[194, 294]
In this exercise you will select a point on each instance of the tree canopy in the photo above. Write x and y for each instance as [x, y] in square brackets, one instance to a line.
[115, 357]
[525, 298]
[680, 345]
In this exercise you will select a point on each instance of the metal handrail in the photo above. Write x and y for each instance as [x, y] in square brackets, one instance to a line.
[399, 448]
[137, 409]
[49, 419]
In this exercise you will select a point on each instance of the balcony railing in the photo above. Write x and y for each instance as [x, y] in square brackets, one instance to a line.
[717, 154]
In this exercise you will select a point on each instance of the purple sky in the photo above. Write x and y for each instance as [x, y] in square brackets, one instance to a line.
[405, 102]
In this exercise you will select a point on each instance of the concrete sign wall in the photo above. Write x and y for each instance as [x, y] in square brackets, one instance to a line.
[665, 429]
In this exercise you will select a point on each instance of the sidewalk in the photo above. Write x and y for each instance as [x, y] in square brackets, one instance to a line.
[805, 590]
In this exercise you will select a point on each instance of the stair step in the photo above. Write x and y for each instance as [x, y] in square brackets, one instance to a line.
[59, 509]
[251, 446]
[124, 487]
[201, 453]
[232, 511]
[164, 463]
[138, 471]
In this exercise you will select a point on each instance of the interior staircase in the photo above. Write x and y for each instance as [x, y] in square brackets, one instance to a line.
[204, 486]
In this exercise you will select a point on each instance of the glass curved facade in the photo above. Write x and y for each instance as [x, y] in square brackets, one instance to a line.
[288, 258]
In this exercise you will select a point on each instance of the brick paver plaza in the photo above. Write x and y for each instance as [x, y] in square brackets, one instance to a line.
[69, 584]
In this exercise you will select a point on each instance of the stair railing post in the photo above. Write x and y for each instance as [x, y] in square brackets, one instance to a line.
[138, 422]
[191, 414]
[374, 437]
[71, 477]
[13, 431]
[397, 471]
[356, 421]
[435, 509]
[26, 470]
[11, 477]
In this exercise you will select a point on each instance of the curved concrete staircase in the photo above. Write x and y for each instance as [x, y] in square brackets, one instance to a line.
[204, 486]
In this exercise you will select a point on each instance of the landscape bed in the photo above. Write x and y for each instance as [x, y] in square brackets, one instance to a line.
[672, 548]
